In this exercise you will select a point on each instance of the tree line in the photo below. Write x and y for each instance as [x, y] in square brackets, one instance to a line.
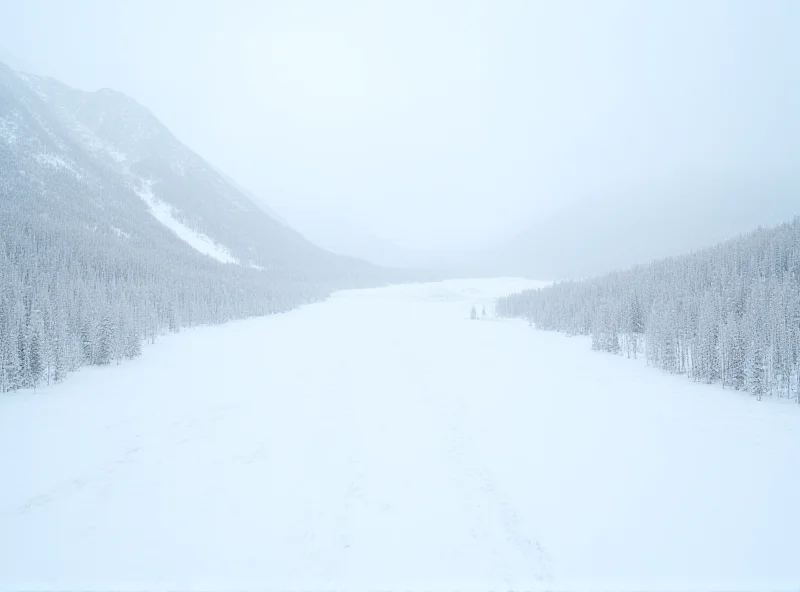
[70, 299]
[729, 314]
[85, 283]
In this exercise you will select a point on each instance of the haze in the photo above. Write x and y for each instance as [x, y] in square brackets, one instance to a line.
[399, 295]
[445, 125]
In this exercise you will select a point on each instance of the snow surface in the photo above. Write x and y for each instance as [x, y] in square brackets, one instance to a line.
[56, 162]
[120, 233]
[116, 154]
[163, 213]
[31, 80]
[7, 131]
[94, 144]
[46, 129]
[381, 440]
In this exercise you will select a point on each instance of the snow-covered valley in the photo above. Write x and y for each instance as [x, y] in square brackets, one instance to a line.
[382, 440]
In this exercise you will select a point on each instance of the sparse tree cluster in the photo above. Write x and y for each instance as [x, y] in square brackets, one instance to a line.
[728, 314]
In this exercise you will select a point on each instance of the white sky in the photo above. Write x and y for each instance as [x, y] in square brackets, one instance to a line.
[442, 123]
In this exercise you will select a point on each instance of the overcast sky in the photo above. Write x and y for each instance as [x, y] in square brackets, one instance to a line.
[439, 124]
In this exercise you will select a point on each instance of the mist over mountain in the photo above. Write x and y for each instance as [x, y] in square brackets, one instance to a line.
[12, 61]
[113, 232]
[589, 237]
[367, 295]
[126, 140]
[259, 201]
[344, 238]
[592, 238]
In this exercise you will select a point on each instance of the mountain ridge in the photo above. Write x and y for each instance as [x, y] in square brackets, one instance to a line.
[142, 150]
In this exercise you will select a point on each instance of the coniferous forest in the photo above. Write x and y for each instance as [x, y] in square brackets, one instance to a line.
[70, 296]
[87, 273]
[729, 314]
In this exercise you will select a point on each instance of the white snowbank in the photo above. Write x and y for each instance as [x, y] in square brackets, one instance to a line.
[381, 440]
[163, 213]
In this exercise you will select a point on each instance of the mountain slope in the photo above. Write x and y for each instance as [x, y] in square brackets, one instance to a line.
[259, 201]
[6, 57]
[126, 138]
[112, 231]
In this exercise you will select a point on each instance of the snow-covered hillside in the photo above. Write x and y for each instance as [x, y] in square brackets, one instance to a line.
[111, 147]
[381, 440]
[112, 231]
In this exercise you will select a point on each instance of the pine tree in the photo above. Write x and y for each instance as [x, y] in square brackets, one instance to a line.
[133, 344]
[105, 350]
[87, 343]
[35, 363]
[757, 378]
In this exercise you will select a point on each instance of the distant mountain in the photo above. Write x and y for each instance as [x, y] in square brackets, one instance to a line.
[177, 186]
[12, 61]
[587, 239]
[113, 231]
[338, 236]
[259, 201]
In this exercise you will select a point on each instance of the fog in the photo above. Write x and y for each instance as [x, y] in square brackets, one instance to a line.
[399, 294]
[457, 125]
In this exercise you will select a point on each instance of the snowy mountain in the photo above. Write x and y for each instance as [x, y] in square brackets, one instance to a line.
[6, 57]
[113, 231]
[107, 134]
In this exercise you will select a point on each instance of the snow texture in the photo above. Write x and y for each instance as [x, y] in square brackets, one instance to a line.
[116, 154]
[198, 241]
[382, 440]
[93, 144]
[119, 232]
[7, 131]
[31, 80]
[56, 162]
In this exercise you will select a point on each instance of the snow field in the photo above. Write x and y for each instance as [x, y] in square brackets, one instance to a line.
[381, 440]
